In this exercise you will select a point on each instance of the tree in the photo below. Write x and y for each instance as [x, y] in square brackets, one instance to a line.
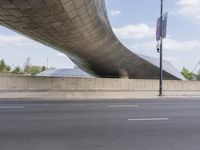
[8, 68]
[34, 70]
[27, 66]
[43, 68]
[2, 66]
[187, 74]
[197, 76]
[17, 70]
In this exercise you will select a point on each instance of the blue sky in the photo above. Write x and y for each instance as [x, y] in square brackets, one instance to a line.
[134, 24]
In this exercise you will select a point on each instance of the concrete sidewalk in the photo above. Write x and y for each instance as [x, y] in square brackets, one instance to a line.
[81, 95]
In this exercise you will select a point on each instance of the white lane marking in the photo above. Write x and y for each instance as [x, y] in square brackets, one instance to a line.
[12, 107]
[148, 119]
[123, 105]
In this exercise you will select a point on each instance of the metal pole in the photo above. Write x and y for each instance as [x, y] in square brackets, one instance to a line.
[161, 51]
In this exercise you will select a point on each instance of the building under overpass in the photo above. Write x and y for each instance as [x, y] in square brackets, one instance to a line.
[81, 30]
[68, 72]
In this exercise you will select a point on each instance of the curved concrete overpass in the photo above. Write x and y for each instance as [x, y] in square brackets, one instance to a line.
[81, 30]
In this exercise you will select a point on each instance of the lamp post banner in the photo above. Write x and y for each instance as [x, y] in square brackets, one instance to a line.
[164, 27]
[158, 30]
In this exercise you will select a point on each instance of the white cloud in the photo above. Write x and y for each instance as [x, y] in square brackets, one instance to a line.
[149, 45]
[179, 53]
[61, 55]
[175, 45]
[189, 9]
[170, 45]
[115, 12]
[16, 40]
[135, 31]
[172, 59]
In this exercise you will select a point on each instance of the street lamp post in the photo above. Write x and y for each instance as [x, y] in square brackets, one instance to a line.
[161, 50]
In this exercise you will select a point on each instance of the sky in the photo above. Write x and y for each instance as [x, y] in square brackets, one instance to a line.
[134, 23]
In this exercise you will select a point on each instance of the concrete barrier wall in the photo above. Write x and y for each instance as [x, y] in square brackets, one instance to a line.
[91, 84]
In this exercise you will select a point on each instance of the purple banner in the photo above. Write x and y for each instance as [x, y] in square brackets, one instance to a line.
[164, 27]
[158, 35]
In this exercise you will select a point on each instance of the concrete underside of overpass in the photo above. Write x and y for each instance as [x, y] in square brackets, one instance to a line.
[81, 30]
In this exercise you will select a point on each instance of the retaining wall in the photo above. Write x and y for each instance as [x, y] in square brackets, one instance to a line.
[86, 87]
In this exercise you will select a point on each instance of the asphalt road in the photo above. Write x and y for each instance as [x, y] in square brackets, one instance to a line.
[165, 124]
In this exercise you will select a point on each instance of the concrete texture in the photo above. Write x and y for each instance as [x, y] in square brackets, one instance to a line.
[81, 30]
[80, 88]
